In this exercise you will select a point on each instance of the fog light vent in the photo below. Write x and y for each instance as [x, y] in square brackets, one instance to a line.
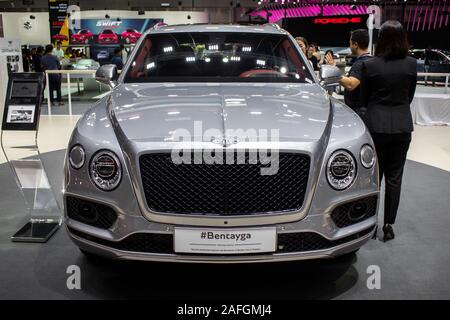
[91, 213]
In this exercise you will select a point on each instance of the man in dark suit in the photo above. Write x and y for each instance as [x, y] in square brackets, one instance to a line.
[359, 43]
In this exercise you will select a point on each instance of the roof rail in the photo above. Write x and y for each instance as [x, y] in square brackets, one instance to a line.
[273, 25]
[159, 25]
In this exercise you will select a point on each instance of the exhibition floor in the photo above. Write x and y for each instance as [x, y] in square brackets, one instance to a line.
[414, 265]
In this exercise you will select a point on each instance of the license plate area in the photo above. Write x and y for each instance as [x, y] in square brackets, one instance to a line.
[225, 241]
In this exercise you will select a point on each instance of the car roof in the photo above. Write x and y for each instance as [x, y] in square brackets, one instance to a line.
[265, 28]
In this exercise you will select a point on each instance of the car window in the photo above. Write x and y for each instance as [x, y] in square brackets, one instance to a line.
[419, 55]
[107, 31]
[218, 57]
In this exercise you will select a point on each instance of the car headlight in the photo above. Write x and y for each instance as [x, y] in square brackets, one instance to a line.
[367, 156]
[105, 170]
[77, 156]
[341, 170]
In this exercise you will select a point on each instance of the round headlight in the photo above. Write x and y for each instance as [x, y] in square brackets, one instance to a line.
[341, 170]
[368, 157]
[77, 156]
[105, 170]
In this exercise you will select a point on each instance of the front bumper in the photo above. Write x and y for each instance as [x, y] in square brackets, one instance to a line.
[317, 254]
[327, 241]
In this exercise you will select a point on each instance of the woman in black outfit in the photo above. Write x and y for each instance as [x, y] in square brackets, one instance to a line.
[387, 90]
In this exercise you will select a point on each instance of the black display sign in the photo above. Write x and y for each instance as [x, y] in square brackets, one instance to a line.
[23, 101]
[57, 10]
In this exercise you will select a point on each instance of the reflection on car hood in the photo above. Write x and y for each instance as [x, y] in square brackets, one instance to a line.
[153, 112]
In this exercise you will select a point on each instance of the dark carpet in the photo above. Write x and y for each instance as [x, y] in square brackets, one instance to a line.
[413, 266]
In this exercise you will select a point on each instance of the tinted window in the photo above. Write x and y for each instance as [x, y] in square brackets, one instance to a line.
[419, 55]
[217, 57]
[107, 31]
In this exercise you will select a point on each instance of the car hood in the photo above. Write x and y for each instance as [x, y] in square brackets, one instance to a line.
[156, 112]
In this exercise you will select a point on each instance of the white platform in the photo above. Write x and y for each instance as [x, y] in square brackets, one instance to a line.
[431, 109]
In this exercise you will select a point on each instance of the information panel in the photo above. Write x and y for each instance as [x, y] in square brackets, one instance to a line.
[59, 31]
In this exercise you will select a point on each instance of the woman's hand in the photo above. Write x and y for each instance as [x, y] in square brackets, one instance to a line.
[329, 59]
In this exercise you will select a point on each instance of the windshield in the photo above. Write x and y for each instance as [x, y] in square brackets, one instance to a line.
[107, 31]
[218, 57]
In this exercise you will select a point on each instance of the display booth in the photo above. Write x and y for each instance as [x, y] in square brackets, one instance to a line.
[19, 143]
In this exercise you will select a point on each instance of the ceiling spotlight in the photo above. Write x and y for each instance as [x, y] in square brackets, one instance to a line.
[118, 19]
[32, 17]
[141, 12]
[107, 16]
[353, 7]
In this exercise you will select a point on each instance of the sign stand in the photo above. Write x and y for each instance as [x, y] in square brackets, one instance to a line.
[19, 144]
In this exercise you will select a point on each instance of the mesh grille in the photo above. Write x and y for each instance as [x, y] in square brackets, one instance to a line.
[163, 243]
[310, 241]
[341, 215]
[91, 213]
[224, 189]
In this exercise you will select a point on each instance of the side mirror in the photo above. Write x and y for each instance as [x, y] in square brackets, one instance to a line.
[107, 74]
[329, 75]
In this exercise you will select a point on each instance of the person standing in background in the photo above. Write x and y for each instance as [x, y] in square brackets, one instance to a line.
[388, 85]
[359, 43]
[304, 46]
[51, 62]
[26, 60]
[58, 51]
[312, 56]
[316, 51]
[36, 58]
[117, 58]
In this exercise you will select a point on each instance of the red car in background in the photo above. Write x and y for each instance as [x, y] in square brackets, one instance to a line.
[82, 37]
[107, 36]
[60, 37]
[131, 35]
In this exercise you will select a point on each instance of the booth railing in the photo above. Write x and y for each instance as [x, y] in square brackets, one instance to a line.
[437, 75]
[69, 94]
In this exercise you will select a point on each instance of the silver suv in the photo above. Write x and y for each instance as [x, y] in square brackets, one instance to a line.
[219, 144]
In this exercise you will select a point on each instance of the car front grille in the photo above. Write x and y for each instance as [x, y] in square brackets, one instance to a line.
[224, 189]
[91, 213]
[163, 243]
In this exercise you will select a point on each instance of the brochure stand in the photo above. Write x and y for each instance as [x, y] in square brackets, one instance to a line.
[19, 144]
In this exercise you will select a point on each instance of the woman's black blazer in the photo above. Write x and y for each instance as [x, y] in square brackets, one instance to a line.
[387, 90]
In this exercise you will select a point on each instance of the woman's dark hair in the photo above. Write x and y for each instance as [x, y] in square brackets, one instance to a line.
[392, 41]
[302, 39]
